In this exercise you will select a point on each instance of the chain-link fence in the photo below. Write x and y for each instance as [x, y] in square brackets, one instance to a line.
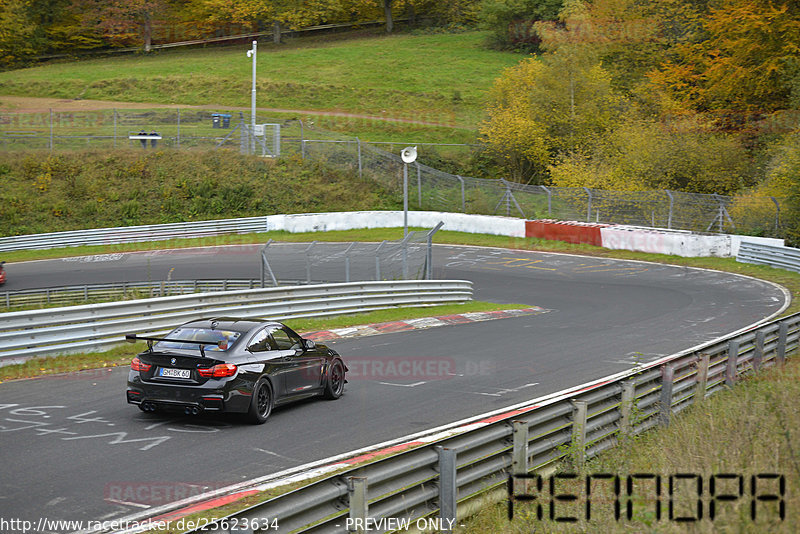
[429, 188]
[146, 129]
[406, 259]
[432, 189]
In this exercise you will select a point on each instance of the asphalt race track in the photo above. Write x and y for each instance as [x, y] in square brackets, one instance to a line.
[73, 449]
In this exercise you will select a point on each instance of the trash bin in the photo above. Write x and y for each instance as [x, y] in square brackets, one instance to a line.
[215, 120]
[226, 120]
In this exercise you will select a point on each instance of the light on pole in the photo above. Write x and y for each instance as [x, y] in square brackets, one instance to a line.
[252, 53]
[408, 155]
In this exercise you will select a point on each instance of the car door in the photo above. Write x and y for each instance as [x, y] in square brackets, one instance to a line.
[305, 372]
[265, 357]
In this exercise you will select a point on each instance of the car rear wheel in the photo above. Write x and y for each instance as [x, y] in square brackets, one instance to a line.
[261, 403]
[334, 386]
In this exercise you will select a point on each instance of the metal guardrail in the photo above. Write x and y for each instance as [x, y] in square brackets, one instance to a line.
[95, 327]
[134, 234]
[122, 291]
[780, 257]
[448, 474]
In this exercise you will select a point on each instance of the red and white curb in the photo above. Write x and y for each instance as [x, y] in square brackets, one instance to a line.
[418, 324]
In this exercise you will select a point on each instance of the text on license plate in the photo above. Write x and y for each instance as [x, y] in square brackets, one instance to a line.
[175, 373]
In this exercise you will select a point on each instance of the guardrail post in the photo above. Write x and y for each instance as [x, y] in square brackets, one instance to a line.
[667, 377]
[519, 456]
[702, 377]
[783, 336]
[579, 416]
[357, 495]
[730, 365]
[448, 490]
[758, 353]
[626, 406]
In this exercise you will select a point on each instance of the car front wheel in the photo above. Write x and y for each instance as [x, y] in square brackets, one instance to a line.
[261, 403]
[334, 386]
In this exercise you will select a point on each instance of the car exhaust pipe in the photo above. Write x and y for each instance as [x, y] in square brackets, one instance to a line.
[195, 410]
[149, 407]
[191, 410]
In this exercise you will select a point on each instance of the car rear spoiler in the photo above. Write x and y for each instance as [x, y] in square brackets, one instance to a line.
[133, 338]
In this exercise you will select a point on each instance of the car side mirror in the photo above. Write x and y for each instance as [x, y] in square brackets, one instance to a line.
[309, 344]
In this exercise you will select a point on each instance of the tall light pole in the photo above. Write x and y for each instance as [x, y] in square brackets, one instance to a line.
[408, 155]
[252, 53]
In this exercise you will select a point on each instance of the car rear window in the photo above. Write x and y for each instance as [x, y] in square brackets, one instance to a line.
[213, 337]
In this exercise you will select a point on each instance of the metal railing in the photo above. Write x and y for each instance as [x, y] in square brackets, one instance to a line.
[98, 326]
[448, 474]
[780, 257]
[134, 234]
[66, 295]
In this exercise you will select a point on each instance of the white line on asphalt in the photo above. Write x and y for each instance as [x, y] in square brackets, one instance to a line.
[402, 385]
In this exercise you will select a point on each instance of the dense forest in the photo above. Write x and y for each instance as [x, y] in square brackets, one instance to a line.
[31, 29]
[689, 95]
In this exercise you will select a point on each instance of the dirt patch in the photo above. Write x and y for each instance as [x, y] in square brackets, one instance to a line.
[24, 104]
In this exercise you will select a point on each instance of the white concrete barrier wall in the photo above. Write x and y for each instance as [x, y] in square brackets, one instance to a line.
[456, 222]
[677, 243]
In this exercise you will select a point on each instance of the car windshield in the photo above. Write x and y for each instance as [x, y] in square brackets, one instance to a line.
[213, 337]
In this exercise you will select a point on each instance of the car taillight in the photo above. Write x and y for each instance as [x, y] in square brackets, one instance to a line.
[218, 371]
[138, 365]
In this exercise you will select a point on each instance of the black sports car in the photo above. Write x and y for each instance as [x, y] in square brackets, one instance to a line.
[232, 365]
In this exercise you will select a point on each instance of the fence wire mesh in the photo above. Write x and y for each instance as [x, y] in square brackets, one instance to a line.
[405, 259]
[435, 190]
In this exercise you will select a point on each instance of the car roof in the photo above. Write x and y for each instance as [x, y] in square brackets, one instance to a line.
[237, 324]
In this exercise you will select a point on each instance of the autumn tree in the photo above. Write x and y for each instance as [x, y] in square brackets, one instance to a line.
[124, 22]
[17, 32]
[556, 104]
[743, 58]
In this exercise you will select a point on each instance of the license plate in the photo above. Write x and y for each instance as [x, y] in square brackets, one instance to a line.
[175, 373]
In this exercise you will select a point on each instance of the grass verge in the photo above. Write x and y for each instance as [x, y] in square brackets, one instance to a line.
[750, 430]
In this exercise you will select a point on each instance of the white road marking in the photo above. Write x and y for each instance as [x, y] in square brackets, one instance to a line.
[275, 454]
[126, 503]
[402, 385]
[503, 391]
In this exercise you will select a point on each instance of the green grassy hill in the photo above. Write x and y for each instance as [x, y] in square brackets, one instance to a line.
[439, 78]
